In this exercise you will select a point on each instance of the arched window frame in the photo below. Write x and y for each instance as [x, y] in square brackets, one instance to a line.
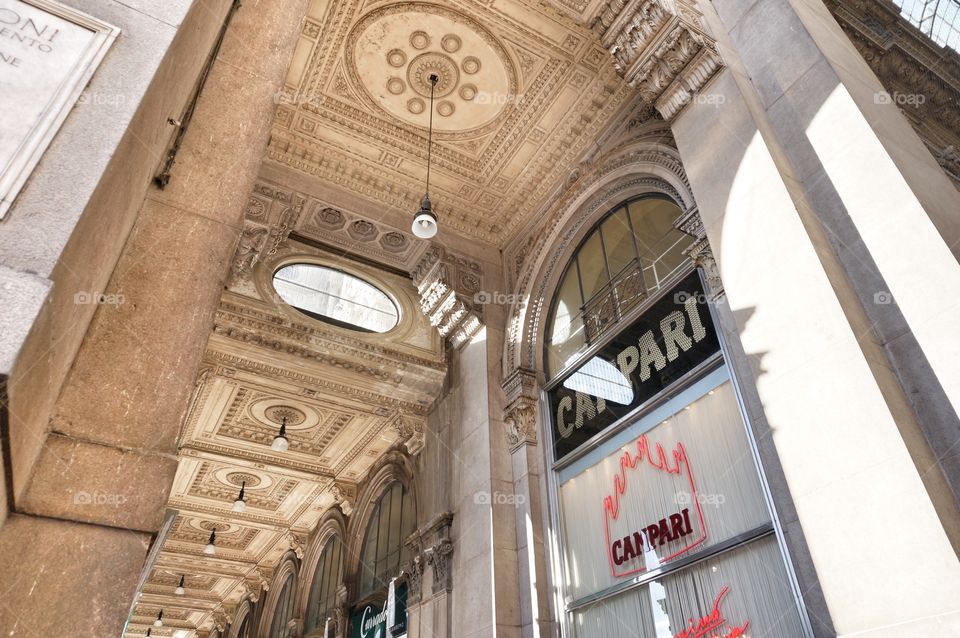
[603, 303]
[331, 569]
[407, 524]
[240, 627]
[287, 572]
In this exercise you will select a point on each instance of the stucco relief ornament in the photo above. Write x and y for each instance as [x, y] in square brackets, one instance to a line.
[440, 558]
[521, 422]
[296, 544]
[343, 498]
[414, 574]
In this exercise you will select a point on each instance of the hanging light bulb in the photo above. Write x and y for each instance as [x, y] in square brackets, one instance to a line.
[239, 505]
[179, 590]
[211, 548]
[159, 621]
[280, 442]
[425, 221]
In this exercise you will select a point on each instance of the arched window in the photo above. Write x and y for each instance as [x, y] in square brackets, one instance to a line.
[326, 579]
[383, 552]
[631, 253]
[283, 612]
[244, 630]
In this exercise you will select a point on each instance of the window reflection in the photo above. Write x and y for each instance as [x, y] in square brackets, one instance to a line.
[633, 252]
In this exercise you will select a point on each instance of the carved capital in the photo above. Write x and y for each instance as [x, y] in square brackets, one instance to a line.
[220, 621]
[440, 558]
[702, 255]
[447, 285]
[412, 428]
[659, 48]
[521, 421]
[296, 543]
[344, 495]
[413, 572]
[691, 224]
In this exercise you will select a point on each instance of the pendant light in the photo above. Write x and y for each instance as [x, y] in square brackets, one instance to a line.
[179, 590]
[239, 505]
[149, 631]
[425, 221]
[211, 548]
[159, 621]
[280, 442]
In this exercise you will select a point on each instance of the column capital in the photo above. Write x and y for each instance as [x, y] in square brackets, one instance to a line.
[521, 391]
[447, 284]
[412, 428]
[660, 48]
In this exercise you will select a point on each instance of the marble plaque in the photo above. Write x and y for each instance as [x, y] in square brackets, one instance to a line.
[48, 53]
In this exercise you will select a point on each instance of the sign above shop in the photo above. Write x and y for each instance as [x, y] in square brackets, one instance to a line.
[48, 52]
[673, 336]
[374, 621]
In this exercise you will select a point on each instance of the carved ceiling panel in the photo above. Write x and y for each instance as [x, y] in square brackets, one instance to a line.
[523, 92]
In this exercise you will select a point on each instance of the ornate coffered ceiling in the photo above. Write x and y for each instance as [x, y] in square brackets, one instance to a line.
[348, 398]
[524, 90]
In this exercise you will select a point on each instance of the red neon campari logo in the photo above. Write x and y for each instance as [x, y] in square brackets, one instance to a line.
[714, 624]
[655, 530]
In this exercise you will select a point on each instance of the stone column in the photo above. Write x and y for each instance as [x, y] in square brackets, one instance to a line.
[95, 488]
[835, 235]
[520, 417]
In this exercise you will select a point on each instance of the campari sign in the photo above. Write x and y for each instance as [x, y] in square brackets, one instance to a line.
[651, 514]
[674, 336]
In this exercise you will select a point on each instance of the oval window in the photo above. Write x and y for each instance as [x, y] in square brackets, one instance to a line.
[334, 296]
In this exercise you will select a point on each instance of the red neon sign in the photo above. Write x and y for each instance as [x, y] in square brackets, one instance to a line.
[676, 526]
[713, 621]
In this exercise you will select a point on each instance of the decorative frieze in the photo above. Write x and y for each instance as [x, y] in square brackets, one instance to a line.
[659, 48]
[446, 284]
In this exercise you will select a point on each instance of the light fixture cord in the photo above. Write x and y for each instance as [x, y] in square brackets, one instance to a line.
[433, 85]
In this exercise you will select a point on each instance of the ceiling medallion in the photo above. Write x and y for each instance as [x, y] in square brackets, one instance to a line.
[396, 58]
[471, 65]
[211, 526]
[276, 413]
[450, 43]
[438, 64]
[416, 106]
[241, 478]
[469, 61]
[419, 40]
[445, 108]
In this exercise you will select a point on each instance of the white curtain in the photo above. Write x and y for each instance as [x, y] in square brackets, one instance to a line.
[728, 493]
[758, 597]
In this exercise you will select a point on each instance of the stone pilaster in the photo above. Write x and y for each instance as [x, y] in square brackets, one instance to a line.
[659, 48]
[447, 284]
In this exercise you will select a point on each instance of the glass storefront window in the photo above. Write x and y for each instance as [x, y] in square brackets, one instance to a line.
[326, 579]
[632, 253]
[283, 612]
[383, 552]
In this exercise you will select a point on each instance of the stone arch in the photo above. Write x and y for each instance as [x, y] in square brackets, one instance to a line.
[244, 612]
[646, 164]
[392, 466]
[332, 523]
[289, 564]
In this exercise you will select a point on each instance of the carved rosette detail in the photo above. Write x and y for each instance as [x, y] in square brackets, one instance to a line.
[446, 284]
[660, 49]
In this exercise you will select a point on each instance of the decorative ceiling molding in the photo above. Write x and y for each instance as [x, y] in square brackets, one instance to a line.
[659, 48]
[908, 64]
